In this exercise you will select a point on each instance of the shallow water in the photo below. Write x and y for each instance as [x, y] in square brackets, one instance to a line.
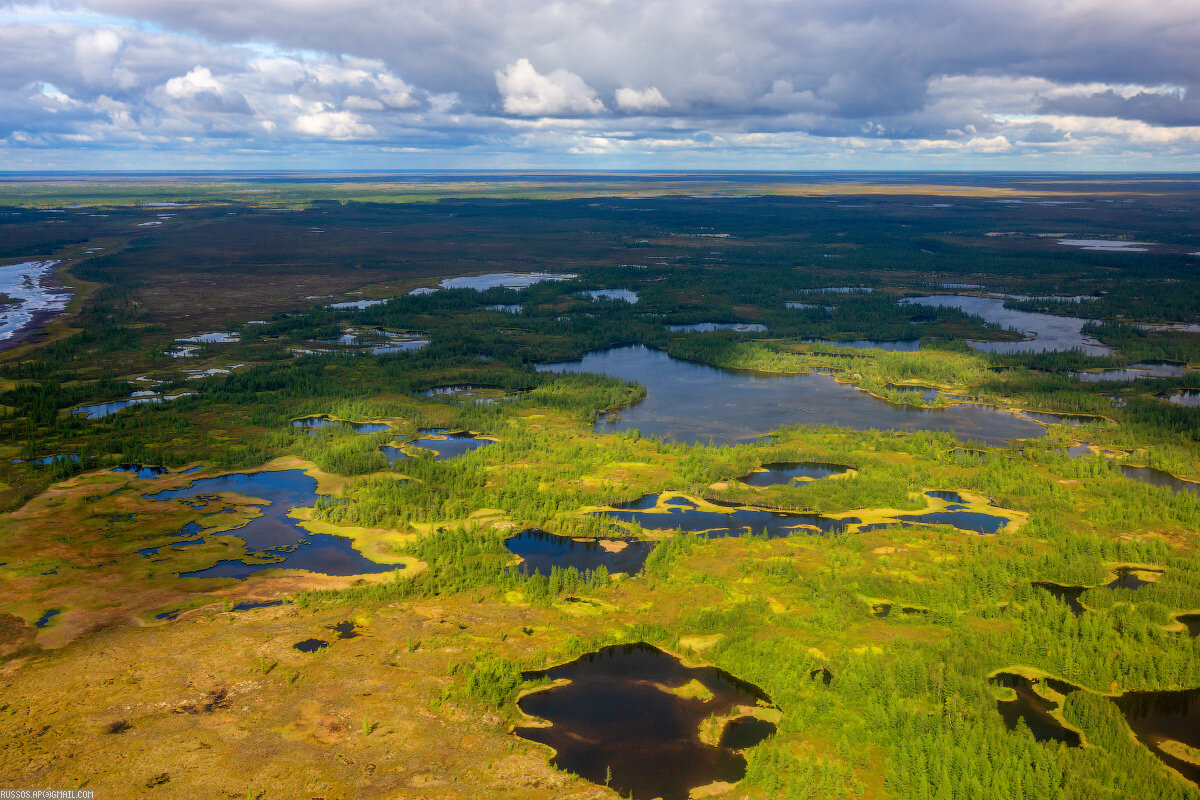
[1133, 372]
[45, 618]
[615, 722]
[213, 338]
[788, 471]
[274, 534]
[1049, 332]
[492, 280]
[101, 410]
[684, 516]
[357, 304]
[455, 444]
[1156, 717]
[1188, 398]
[1053, 418]
[1158, 477]
[709, 327]
[1106, 245]
[1034, 710]
[392, 453]
[691, 403]
[313, 423]
[624, 295]
[69, 458]
[543, 551]
[28, 284]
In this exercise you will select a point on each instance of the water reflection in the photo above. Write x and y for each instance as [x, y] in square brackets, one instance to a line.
[630, 719]
[541, 552]
[1049, 332]
[1033, 709]
[1164, 720]
[274, 540]
[1134, 372]
[788, 471]
[1158, 477]
[692, 404]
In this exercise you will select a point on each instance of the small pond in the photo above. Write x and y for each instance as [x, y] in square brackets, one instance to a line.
[448, 444]
[101, 410]
[1160, 718]
[1033, 709]
[789, 471]
[1066, 594]
[1158, 477]
[274, 540]
[493, 280]
[683, 515]
[631, 716]
[623, 295]
[1134, 372]
[709, 327]
[1188, 398]
[312, 424]
[541, 552]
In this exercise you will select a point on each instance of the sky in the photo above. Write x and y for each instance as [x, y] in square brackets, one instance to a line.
[1093, 85]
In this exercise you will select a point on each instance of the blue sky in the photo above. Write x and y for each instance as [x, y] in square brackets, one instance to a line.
[601, 84]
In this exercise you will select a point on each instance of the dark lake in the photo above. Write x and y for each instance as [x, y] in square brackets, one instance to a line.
[454, 443]
[788, 471]
[691, 403]
[1067, 594]
[683, 515]
[543, 551]
[1034, 710]
[315, 423]
[1158, 477]
[1158, 717]
[617, 722]
[274, 535]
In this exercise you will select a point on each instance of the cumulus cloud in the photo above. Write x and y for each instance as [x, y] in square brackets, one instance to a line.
[649, 99]
[713, 78]
[528, 93]
[325, 123]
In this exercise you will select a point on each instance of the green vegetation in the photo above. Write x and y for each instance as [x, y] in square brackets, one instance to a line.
[427, 693]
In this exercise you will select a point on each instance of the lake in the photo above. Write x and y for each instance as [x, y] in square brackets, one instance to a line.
[693, 403]
[542, 552]
[1047, 331]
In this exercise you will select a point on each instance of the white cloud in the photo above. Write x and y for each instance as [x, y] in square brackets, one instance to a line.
[336, 125]
[528, 93]
[649, 99]
[198, 81]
